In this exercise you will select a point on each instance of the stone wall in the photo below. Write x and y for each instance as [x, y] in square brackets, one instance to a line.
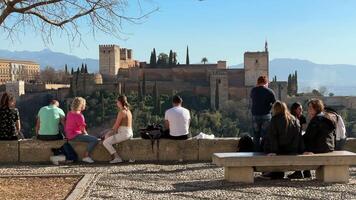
[35, 151]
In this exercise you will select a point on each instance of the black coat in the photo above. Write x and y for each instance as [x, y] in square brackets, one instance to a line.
[320, 135]
[283, 139]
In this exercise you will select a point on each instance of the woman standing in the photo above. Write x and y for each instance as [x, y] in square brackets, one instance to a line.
[75, 128]
[9, 118]
[121, 131]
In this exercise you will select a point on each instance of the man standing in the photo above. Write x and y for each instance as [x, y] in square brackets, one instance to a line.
[48, 119]
[262, 99]
[177, 120]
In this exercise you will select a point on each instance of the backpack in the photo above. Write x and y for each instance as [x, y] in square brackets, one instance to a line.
[69, 152]
[152, 132]
[245, 144]
[340, 130]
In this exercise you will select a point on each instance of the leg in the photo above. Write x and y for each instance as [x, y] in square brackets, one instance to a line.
[50, 137]
[333, 174]
[108, 142]
[121, 136]
[256, 125]
[91, 140]
[239, 174]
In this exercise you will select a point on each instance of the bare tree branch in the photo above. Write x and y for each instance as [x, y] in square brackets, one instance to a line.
[48, 17]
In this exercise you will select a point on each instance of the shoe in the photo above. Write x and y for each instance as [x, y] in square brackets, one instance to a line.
[116, 160]
[88, 160]
[296, 175]
[307, 174]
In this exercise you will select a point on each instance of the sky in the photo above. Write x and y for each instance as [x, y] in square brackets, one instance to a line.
[322, 31]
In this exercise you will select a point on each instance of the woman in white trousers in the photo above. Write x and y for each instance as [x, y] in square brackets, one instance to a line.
[121, 131]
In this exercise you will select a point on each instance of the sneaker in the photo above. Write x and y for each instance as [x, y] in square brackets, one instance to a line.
[296, 175]
[116, 160]
[88, 160]
[307, 174]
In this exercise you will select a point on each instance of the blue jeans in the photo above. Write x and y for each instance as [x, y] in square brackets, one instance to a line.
[91, 140]
[260, 128]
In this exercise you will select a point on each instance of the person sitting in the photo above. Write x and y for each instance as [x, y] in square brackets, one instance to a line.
[284, 136]
[121, 131]
[319, 135]
[48, 119]
[245, 144]
[75, 128]
[9, 118]
[297, 111]
[177, 121]
[340, 131]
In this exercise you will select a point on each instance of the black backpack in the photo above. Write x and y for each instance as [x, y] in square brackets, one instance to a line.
[152, 132]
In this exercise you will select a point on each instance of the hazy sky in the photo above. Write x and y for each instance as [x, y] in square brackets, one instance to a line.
[322, 31]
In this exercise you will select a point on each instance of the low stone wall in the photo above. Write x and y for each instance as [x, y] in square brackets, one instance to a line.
[36, 151]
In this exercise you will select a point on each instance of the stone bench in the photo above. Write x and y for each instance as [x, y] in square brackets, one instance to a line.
[330, 167]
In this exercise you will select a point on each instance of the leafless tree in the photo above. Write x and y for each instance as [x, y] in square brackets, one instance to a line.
[49, 17]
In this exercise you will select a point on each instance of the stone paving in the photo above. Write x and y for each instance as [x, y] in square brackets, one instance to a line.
[185, 181]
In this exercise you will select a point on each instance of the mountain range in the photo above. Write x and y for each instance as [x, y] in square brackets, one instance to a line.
[337, 78]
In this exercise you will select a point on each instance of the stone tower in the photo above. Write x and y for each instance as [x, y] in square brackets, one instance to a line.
[256, 64]
[109, 59]
[219, 88]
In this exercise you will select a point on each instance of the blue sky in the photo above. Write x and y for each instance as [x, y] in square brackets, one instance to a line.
[322, 31]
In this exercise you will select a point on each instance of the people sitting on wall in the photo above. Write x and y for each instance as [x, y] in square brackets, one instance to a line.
[177, 120]
[48, 120]
[262, 99]
[284, 136]
[9, 118]
[121, 131]
[75, 128]
[297, 111]
[319, 135]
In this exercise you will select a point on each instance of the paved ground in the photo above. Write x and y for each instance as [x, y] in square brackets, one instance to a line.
[186, 181]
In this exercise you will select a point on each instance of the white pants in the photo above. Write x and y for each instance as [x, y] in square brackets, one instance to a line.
[123, 133]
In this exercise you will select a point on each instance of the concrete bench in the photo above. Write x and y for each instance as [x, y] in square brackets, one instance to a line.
[330, 167]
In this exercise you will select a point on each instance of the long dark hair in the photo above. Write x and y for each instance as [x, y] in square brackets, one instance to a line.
[6, 98]
[123, 100]
[294, 107]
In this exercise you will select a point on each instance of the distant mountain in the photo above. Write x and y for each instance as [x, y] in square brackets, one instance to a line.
[47, 57]
[338, 78]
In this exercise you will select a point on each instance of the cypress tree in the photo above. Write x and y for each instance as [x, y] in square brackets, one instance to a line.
[72, 71]
[156, 99]
[217, 95]
[154, 58]
[86, 69]
[170, 58]
[151, 59]
[66, 68]
[144, 84]
[187, 58]
[174, 58]
[82, 68]
[289, 87]
[296, 81]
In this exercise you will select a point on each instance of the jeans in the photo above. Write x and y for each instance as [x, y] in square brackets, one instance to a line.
[50, 137]
[260, 127]
[166, 135]
[91, 140]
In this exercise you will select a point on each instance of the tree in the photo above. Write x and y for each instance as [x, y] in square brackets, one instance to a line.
[47, 17]
[82, 69]
[170, 58]
[187, 58]
[331, 94]
[162, 59]
[72, 71]
[66, 68]
[85, 68]
[174, 58]
[204, 60]
[144, 84]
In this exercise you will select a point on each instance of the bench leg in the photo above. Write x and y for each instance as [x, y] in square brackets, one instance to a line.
[333, 174]
[239, 174]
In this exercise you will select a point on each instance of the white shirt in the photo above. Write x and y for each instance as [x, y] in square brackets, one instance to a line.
[178, 118]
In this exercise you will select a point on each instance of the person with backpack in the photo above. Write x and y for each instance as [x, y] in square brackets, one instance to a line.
[284, 136]
[75, 128]
[340, 131]
[121, 131]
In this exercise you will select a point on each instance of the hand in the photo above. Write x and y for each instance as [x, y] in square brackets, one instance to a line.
[271, 154]
[308, 153]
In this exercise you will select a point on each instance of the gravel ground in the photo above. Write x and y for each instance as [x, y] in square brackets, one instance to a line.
[17, 188]
[186, 181]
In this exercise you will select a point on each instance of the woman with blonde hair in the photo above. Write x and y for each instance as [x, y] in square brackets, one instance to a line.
[122, 129]
[75, 128]
[284, 135]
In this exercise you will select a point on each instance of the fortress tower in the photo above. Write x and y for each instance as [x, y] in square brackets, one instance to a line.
[109, 59]
[256, 64]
